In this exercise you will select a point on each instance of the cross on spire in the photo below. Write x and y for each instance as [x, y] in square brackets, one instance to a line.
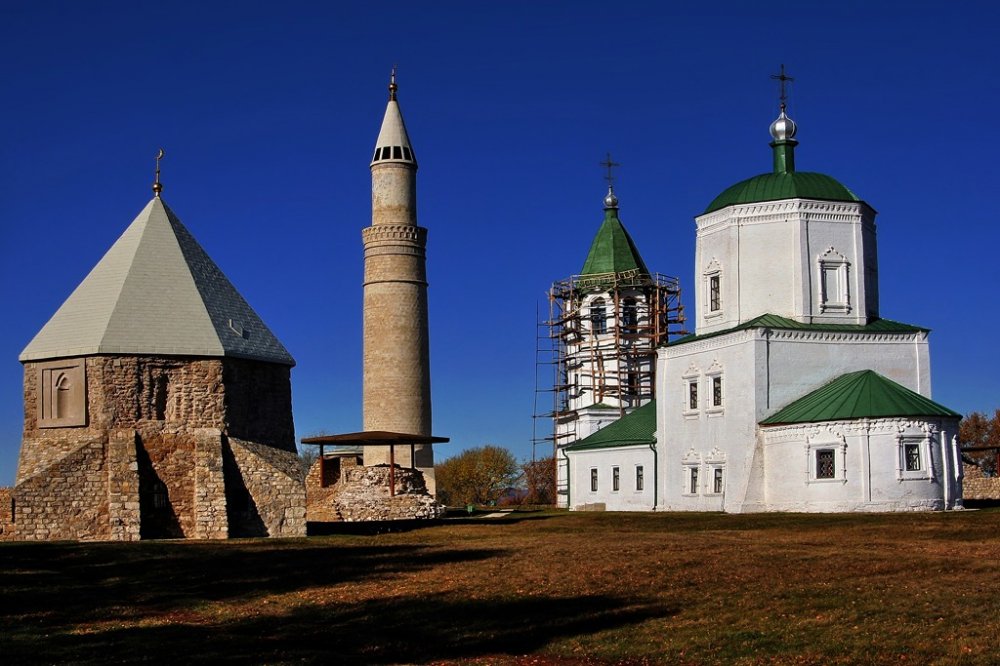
[610, 165]
[157, 186]
[783, 78]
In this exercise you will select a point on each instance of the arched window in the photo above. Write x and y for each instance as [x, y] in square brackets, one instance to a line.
[598, 316]
[62, 387]
[630, 316]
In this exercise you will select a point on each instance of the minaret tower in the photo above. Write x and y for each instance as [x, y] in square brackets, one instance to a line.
[397, 386]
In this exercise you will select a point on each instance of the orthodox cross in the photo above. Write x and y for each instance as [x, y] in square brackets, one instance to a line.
[783, 78]
[610, 165]
[157, 186]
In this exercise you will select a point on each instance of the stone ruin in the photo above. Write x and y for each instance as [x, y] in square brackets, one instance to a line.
[341, 489]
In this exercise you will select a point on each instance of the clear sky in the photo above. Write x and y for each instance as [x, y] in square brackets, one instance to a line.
[269, 112]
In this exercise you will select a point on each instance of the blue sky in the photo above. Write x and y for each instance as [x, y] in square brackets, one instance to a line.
[269, 113]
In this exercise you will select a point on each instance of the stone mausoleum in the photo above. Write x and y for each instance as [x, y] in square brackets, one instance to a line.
[157, 404]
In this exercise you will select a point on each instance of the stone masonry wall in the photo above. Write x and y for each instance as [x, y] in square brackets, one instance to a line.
[149, 458]
[68, 501]
[977, 486]
[276, 483]
[6, 513]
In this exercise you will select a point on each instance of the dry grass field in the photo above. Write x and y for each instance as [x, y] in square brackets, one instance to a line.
[544, 588]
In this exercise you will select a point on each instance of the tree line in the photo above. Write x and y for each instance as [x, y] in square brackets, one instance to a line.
[491, 476]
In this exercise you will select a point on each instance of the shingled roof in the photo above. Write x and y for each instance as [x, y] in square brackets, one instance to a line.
[156, 292]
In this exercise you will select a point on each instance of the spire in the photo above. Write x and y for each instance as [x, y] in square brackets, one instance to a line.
[393, 144]
[783, 130]
[157, 185]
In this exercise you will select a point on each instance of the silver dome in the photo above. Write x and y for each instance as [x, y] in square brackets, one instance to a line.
[611, 201]
[783, 128]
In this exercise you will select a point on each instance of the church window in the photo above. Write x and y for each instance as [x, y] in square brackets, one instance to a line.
[711, 294]
[717, 481]
[598, 316]
[406, 153]
[693, 395]
[833, 282]
[826, 466]
[160, 397]
[397, 153]
[693, 481]
[639, 480]
[714, 294]
[593, 479]
[717, 391]
[914, 454]
[630, 316]
[616, 479]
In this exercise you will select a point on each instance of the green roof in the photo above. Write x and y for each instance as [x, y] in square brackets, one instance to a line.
[613, 250]
[784, 185]
[639, 427]
[777, 321]
[858, 395]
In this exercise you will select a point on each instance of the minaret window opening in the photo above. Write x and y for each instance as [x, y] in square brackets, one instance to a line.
[406, 153]
[598, 316]
[630, 316]
[397, 153]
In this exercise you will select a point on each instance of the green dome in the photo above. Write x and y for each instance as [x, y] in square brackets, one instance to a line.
[784, 185]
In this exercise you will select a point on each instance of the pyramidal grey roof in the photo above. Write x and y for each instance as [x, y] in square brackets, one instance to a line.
[157, 292]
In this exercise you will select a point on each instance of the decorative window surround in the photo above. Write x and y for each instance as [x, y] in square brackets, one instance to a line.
[712, 280]
[913, 451]
[834, 283]
[715, 400]
[691, 470]
[715, 463]
[690, 392]
[826, 442]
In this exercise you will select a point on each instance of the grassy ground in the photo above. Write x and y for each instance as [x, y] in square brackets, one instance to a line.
[587, 588]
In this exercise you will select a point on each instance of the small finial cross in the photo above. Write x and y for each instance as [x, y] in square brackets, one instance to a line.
[157, 186]
[611, 176]
[783, 78]
[392, 84]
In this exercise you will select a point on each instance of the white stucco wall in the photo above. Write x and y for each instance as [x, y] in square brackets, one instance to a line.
[762, 371]
[626, 459]
[769, 258]
[870, 471]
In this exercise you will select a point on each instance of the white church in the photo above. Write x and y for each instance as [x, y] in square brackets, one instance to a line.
[792, 394]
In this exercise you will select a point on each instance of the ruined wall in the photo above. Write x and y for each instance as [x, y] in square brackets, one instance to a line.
[148, 458]
[977, 486]
[363, 495]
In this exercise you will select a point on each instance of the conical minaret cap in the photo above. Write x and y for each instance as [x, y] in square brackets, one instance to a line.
[393, 144]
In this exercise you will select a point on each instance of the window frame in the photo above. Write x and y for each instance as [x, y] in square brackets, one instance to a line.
[922, 442]
[838, 447]
[616, 478]
[640, 478]
[593, 480]
[598, 314]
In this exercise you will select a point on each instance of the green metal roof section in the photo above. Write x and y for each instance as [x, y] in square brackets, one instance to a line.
[784, 323]
[784, 185]
[639, 427]
[858, 395]
[613, 250]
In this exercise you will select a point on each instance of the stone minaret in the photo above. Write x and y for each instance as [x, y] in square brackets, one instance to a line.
[397, 384]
